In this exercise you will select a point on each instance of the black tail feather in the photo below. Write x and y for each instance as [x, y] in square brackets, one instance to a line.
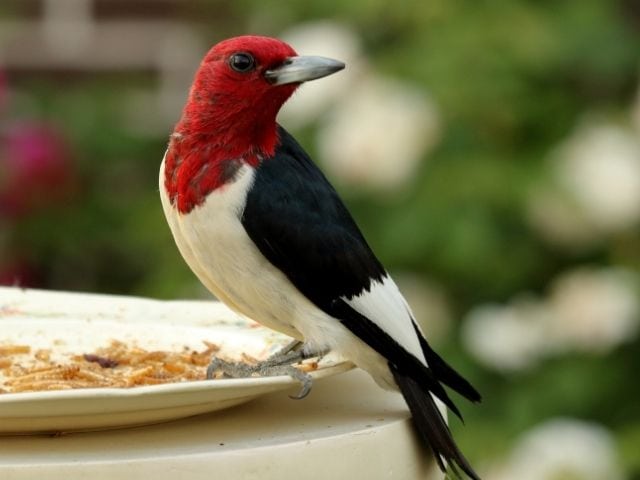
[430, 424]
[444, 373]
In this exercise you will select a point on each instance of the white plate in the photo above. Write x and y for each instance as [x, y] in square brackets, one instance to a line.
[81, 323]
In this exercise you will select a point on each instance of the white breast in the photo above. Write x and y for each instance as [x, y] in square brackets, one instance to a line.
[215, 245]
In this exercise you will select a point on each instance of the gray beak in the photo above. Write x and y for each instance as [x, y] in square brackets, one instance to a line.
[302, 69]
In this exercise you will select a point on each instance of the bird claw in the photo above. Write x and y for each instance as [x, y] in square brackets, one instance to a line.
[229, 369]
[306, 381]
[280, 363]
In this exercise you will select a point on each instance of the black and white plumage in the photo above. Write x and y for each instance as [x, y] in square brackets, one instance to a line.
[275, 242]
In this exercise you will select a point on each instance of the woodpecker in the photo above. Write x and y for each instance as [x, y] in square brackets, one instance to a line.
[264, 230]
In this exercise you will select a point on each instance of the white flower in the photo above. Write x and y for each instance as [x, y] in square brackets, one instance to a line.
[559, 219]
[506, 337]
[563, 449]
[586, 310]
[600, 166]
[593, 310]
[373, 131]
[594, 189]
[377, 135]
[327, 39]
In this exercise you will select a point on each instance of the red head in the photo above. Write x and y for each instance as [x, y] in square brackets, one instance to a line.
[230, 115]
[231, 97]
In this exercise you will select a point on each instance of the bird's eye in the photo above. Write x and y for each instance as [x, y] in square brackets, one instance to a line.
[242, 62]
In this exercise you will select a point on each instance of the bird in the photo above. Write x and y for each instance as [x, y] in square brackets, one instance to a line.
[265, 231]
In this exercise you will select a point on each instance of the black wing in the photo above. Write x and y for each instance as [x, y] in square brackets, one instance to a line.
[299, 223]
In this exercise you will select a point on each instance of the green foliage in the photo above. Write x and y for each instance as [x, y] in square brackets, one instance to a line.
[511, 79]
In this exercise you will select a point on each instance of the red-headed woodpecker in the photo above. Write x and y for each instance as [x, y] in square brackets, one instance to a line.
[264, 230]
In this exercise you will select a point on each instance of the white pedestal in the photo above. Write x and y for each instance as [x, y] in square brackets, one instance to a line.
[346, 428]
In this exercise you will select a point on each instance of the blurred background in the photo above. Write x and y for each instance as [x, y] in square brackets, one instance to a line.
[489, 150]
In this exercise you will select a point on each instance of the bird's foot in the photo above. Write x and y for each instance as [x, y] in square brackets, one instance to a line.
[280, 363]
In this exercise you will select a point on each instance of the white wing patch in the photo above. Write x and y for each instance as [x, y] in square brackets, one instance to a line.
[385, 306]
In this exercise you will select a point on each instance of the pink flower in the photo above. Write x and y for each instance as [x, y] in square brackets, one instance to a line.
[19, 273]
[35, 169]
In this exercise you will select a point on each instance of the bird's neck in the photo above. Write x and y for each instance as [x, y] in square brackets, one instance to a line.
[209, 145]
